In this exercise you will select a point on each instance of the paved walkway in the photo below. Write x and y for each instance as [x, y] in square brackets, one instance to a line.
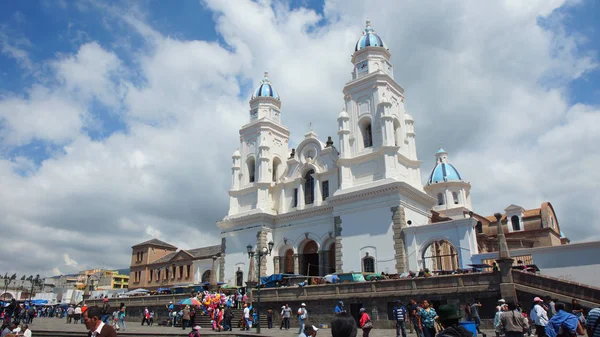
[54, 324]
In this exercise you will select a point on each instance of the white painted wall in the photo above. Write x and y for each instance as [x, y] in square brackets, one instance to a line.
[576, 262]
[368, 230]
[460, 233]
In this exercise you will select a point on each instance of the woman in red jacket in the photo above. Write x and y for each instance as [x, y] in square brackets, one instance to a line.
[365, 322]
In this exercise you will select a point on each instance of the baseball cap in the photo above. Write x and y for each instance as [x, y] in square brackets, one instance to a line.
[537, 299]
[303, 305]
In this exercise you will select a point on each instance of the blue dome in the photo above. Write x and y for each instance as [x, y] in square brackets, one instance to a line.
[443, 170]
[265, 89]
[369, 39]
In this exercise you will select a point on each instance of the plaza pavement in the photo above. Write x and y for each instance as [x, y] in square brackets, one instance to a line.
[134, 328]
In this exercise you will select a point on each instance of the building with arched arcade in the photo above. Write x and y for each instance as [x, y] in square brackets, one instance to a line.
[358, 207]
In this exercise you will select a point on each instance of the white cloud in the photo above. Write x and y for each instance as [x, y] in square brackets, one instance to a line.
[69, 261]
[482, 79]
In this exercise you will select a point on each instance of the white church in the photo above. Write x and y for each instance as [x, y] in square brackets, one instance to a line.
[361, 207]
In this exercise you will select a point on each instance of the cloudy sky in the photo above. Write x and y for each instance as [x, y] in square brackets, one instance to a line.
[118, 119]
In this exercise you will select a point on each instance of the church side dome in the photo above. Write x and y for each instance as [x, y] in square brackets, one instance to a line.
[265, 89]
[443, 170]
[369, 39]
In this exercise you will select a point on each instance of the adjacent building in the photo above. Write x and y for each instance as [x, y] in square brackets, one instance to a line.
[157, 264]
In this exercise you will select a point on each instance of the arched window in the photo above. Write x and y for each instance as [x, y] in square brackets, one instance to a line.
[479, 227]
[239, 278]
[440, 198]
[276, 163]
[440, 255]
[455, 197]
[206, 276]
[368, 264]
[309, 187]
[514, 220]
[251, 170]
[367, 135]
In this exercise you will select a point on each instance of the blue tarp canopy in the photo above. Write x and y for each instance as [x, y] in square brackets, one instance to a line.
[270, 281]
[38, 302]
[162, 289]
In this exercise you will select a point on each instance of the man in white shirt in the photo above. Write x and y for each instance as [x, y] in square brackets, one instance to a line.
[26, 331]
[539, 317]
[247, 316]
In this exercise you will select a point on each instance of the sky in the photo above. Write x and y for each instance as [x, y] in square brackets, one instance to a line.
[118, 119]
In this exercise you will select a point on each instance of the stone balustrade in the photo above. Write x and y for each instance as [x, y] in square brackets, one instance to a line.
[589, 296]
[438, 284]
[154, 300]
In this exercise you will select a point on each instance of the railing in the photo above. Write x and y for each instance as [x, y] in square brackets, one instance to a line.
[562, 287]
[140, 300]
[441, 284]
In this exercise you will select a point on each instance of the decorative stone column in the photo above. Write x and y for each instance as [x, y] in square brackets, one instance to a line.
[261, 242]
[276, 265]
[300, 195]
[296, 264]
[505, 262]
[399, 222]
[321, 262]
[222, 260]
[213, 275]
[251, 271]
[337, 222]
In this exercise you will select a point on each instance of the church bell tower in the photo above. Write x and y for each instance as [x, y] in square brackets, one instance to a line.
[376, 134]
[263, 147]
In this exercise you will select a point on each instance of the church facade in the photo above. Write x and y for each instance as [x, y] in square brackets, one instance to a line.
[361, 207]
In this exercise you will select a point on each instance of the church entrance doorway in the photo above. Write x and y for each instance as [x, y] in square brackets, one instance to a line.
[310, 259]
[440, 256]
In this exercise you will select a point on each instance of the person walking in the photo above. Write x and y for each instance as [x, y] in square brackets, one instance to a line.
[77, 314]
[498, 328]
[365, 322]
[246, 317]
[427, 316]
[286, 312]
[227, 317]
[269, 318]
[70, 313]
[399, 314]
[539, 317]
[302, 316]
[185, 318]
[146, 316]
[475, 314]
[122, 315]
[513, 322]
[105, 310]
[563, 323]
[413, 311]
[468, 316]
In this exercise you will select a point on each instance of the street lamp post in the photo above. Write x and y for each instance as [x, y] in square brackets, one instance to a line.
[34, 281]
[261, 254]
[7, 282]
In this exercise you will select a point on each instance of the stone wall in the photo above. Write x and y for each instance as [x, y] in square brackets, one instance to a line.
[379, 297]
